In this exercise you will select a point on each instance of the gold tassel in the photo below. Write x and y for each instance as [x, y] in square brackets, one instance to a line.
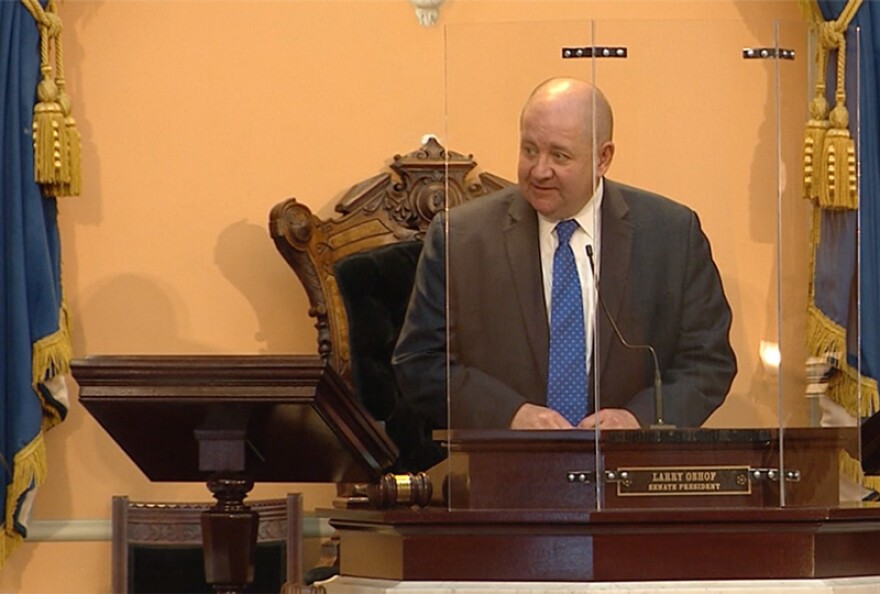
[71, 181]
[829, 162]
[814, 142]
[839, 161]
[74, 151]
[839, 154]
[51, 164]
[57, 144]
[817, 126]
[50, 148]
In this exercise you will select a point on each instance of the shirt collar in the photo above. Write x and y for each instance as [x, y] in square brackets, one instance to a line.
[587, 217]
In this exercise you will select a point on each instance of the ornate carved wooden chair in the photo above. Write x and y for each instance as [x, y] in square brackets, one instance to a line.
[358, 271]
[157, 547]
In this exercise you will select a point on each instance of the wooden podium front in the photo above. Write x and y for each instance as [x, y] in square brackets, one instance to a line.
[502, 469]
[610, 545]
[516, 515]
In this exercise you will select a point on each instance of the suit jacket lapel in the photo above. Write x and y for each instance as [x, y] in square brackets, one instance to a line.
[616, 253]
[524, 260]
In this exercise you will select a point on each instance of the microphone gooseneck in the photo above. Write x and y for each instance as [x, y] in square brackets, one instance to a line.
[658, 382]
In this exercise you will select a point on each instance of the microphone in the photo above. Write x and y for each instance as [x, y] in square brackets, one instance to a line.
[658, 423]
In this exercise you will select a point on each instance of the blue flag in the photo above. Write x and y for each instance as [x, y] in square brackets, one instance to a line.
[34, 338]
[844, 316]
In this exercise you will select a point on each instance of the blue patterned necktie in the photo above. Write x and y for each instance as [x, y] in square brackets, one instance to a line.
[567, 375]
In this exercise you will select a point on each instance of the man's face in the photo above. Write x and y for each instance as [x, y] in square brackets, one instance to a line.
[555, 170]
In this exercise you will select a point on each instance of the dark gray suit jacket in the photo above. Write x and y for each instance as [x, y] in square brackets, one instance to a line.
[657, 278]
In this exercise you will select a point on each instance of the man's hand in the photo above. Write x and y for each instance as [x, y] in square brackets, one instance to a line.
[532, 416]
[610, 418]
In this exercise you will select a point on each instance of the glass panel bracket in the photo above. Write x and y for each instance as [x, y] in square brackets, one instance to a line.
[594, 52]
[765, 53]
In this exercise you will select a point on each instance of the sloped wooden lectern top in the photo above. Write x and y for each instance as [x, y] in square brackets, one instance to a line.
[274, 418]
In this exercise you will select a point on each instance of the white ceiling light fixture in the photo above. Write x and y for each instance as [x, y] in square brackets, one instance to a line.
[427, 11]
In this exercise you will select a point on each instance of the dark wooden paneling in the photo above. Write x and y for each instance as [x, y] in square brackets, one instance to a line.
[615, 545]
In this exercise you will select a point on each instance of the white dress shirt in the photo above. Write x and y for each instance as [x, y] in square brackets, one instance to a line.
[588, 233]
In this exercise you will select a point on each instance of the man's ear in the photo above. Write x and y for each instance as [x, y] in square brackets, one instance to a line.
[605, 156]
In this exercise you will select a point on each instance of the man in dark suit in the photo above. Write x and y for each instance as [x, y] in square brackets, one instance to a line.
[656, 272]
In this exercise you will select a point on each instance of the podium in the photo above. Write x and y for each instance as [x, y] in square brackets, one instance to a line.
[518, 514]
[228, 421]
[523, 505]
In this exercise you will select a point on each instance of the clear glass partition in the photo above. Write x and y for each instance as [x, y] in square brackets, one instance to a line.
[696, 244]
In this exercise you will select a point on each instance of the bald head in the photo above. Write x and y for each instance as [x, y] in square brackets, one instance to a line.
[579, 98]
[560, 157]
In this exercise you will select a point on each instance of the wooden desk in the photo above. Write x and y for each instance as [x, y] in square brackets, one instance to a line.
[229, 421]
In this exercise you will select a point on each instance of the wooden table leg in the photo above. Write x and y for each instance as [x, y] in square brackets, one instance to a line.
[229, 534]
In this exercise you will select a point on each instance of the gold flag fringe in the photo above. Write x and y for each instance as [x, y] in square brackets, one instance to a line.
[29, 471]
[57, 143]
[824, 336]
[51, 354]
[852, 469]
[857, 394]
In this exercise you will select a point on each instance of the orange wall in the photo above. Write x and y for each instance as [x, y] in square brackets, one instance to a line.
[197, 117]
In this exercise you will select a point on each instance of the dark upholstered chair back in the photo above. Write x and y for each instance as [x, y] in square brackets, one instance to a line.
[375, 287]
[358, 271]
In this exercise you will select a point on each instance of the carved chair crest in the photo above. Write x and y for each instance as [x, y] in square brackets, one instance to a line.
[394, 206]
